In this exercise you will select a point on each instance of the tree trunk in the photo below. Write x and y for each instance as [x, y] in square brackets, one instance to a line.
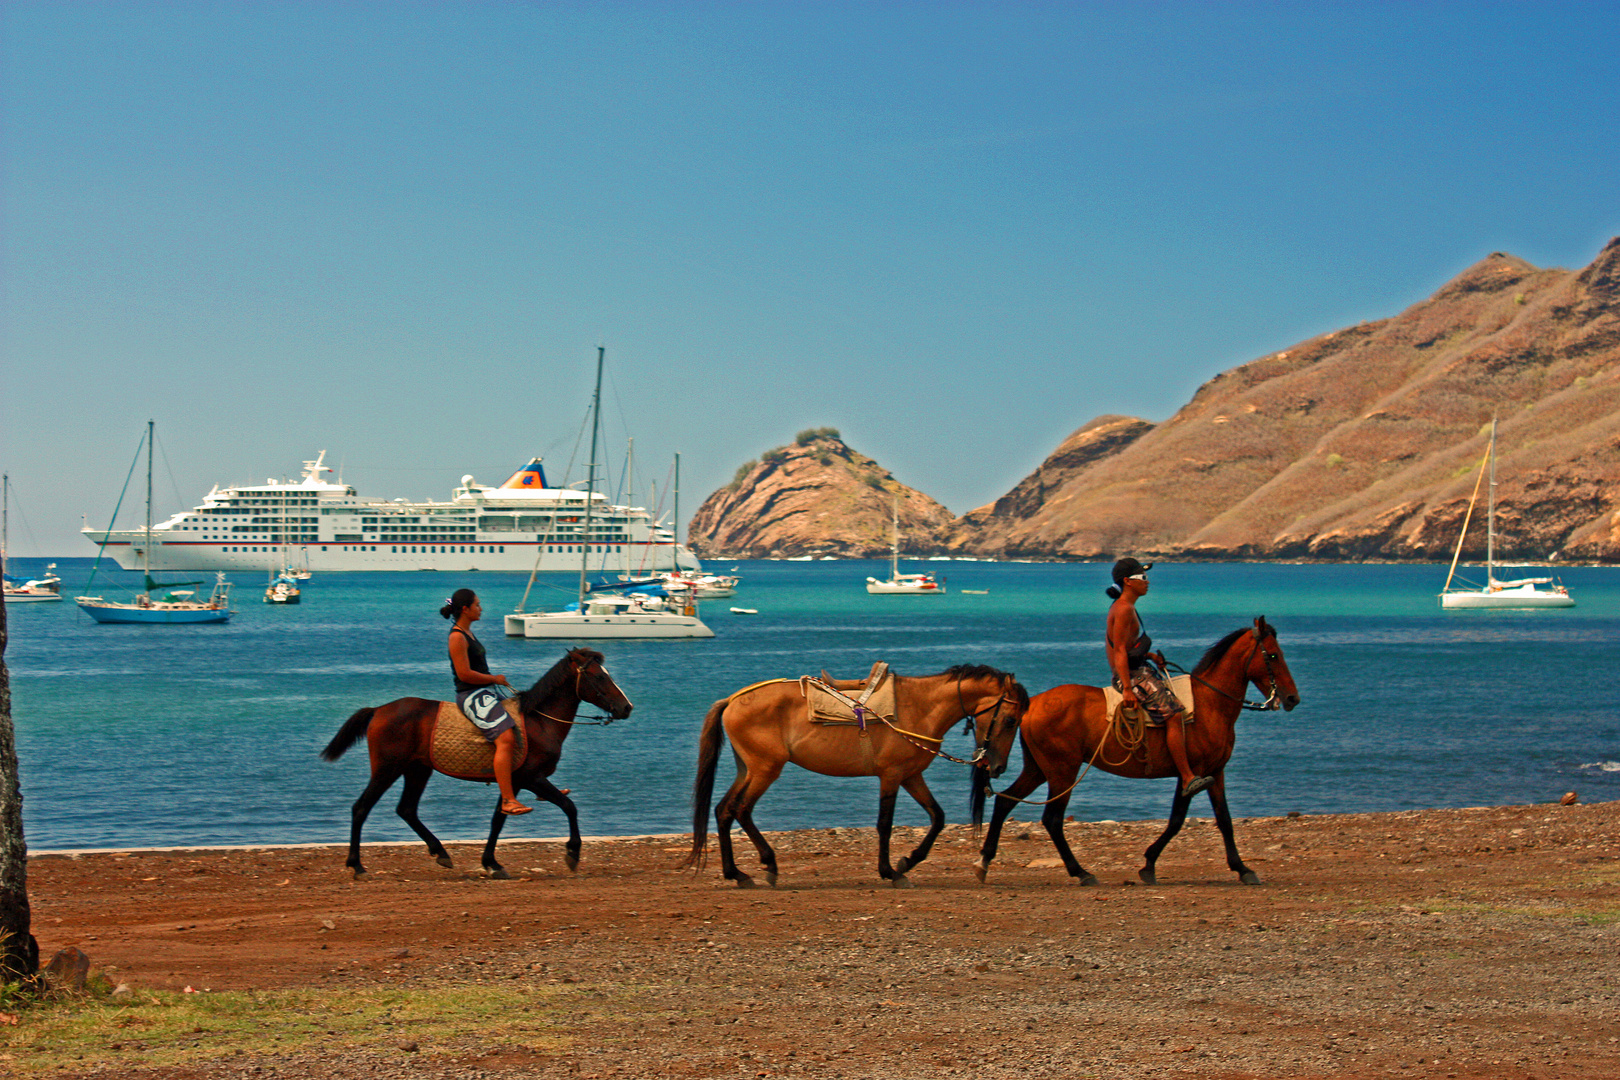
[19, 954]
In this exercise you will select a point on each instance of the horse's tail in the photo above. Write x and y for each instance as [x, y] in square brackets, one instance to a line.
[703, 787]
[980, 779]
[353, 729]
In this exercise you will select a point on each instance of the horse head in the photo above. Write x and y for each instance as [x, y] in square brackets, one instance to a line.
[595, 685]
[993, 704]
[1267, 669]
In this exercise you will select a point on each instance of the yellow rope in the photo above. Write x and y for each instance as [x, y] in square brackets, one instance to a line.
[756, 686]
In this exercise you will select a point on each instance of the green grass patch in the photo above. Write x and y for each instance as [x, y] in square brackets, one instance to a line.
[163, 1029]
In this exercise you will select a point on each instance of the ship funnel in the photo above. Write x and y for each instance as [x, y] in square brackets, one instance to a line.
[530, 476]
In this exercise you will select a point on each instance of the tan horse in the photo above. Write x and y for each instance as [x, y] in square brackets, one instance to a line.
[1068, 729]
[769, 727]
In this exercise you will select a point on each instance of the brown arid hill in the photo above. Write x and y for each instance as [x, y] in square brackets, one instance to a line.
[816, 497]
[1364, 443]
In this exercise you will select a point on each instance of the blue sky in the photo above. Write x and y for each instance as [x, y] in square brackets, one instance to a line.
[954, 231]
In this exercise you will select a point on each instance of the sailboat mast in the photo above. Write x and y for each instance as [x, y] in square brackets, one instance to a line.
[1490, 516]
[590, 477]
[5, 520]
[146, 551]
[675, 526]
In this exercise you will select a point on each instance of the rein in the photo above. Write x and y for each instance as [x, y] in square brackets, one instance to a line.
[1271, 699]
[598, 720]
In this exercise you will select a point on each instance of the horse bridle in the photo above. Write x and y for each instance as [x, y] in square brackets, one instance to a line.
[1272, 699]
[593, 721]
[970, 719]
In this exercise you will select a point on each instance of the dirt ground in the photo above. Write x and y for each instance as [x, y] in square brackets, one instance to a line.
[1445, 943]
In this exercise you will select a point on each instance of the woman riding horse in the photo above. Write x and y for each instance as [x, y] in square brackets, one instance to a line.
[476, 695]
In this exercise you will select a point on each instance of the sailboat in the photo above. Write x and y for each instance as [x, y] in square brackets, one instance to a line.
[899, 584]
[34, 590]
[1534, 592]
[604, 611]
[174, 605]
[282, 588]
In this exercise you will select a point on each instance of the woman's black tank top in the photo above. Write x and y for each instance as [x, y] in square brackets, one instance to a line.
[475, 660]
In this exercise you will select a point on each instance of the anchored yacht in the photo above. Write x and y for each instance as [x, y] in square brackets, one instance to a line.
[522, 524]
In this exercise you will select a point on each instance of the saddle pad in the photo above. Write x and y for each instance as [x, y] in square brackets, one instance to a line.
[827, 707]
[1180, 685]
[459, 749]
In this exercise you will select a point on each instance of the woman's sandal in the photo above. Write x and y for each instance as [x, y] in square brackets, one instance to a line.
[514, 808]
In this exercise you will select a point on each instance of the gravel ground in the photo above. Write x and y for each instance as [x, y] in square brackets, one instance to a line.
[1445, 943]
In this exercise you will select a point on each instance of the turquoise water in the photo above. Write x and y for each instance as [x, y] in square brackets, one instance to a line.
[209, 734]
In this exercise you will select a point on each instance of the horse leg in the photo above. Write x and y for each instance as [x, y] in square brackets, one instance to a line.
[1223, 820]
[1052, 818]
[885, 826]
[381, 781]
[738, 802]
[554, 795]
[416, 778]
[917, 788]
[767, 854]
[1028, 780]
[1178, 815]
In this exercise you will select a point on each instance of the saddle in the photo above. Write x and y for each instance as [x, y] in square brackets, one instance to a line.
[1180, 685]
[457, 748]
[850, 702]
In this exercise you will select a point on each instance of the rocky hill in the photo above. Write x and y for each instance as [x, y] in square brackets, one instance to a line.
[815, 497]
[1363, 443]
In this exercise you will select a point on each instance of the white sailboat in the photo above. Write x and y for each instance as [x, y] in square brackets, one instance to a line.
[1531, 592]
[599, 613]
[173, 605]
[899, 584]
[34, 590]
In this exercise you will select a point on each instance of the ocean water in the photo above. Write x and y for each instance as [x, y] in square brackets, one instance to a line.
[158, 736]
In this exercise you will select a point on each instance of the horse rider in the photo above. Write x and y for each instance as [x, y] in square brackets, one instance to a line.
[476, 695]
[1139, 671]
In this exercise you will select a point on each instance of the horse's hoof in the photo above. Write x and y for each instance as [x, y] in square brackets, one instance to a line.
[900, 881]
[571, 860]
[744, 881]
[770, 878]
[499, 873]
[444, 861]
[1087, 879]
[902, 866]
[1147, 876]
[1249, 877]
[980, 869]
[361, 873]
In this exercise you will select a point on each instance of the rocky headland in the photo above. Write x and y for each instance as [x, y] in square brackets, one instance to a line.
[1360, 444]
[815, 497]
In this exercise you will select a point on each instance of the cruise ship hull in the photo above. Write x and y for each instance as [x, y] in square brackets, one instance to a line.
[508, 556]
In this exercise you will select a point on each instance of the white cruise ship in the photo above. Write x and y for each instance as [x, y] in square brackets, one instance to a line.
[326, 526]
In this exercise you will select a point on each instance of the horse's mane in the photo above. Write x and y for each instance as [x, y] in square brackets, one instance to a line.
[985, 671]
[546, 685]
[1213, 655]
[975, 671]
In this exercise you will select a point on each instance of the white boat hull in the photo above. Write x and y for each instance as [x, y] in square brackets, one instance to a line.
[570, 625]
[31, 597]
[1506, 598]
[904, 588]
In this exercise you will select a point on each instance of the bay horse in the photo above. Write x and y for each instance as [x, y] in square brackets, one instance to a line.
[399, 737]
[1068, 728]
[769, 726]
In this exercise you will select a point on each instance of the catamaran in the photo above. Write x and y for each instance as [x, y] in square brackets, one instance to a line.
[1530, 592]
[610, 610]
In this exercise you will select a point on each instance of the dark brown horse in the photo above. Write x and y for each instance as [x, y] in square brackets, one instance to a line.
[399, 735]
[769, 727]
[1067, 729]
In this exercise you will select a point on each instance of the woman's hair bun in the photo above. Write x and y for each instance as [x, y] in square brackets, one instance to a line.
[1113, 592]
[459, 601]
